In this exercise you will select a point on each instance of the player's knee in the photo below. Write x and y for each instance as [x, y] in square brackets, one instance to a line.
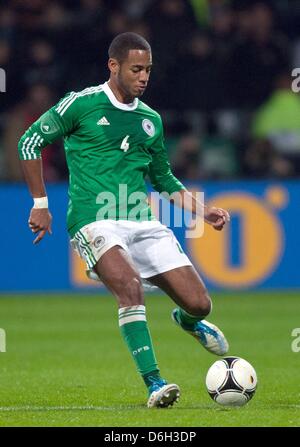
[131, 292]
[206, 306]
[201, 306]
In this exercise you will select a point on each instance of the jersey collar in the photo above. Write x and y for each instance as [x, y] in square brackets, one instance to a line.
[120, 105]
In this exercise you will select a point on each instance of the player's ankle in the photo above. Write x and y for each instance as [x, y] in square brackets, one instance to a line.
[151, 377]
[187, 320]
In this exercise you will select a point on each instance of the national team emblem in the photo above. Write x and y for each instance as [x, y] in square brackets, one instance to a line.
[148, 127]
[99, 241]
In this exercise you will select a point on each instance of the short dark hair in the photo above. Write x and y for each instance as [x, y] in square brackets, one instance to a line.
[122, 43]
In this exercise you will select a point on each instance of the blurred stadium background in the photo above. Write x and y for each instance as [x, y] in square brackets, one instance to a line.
[221, 80]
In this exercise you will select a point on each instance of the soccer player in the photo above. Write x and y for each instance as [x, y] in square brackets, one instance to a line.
[112, 142]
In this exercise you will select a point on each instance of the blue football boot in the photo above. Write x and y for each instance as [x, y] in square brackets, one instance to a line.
[162, 394]
[206, 333]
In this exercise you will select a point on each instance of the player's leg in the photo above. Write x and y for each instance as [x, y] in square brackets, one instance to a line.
[161, 260]
[118, 273]
[186, 288]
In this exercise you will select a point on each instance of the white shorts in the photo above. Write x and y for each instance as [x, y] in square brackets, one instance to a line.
[152, 246]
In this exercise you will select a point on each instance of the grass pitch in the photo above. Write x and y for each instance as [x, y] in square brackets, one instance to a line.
[67, 365]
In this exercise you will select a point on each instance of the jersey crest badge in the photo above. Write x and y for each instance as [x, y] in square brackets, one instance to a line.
[148, 127]
[103, 122]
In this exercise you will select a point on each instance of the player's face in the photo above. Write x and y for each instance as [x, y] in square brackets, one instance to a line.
[133, 73]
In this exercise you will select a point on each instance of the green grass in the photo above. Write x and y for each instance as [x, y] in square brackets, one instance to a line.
[67, 365]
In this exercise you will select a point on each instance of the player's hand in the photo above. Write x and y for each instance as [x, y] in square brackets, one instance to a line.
[40, 222]
[216, 217]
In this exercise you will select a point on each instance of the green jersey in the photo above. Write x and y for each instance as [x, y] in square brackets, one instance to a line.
[110, 148]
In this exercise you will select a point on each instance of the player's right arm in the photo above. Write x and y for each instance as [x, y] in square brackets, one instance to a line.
[57, 122]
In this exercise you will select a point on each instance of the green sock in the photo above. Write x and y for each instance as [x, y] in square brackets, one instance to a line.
[134, 329]
[187, 319]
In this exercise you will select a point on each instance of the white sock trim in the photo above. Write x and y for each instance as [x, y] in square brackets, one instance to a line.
[130, 309]
[130, 314]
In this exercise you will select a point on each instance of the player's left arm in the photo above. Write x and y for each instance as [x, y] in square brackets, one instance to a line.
[169, 186]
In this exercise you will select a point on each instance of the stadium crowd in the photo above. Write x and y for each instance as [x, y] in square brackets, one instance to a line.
[221, 78]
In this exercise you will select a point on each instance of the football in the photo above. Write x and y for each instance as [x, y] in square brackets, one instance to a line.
[231, 381]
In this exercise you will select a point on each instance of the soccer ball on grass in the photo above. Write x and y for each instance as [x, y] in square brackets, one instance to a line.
[231, 381]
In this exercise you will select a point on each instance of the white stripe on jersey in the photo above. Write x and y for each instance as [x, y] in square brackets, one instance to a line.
[30, 142]
[65, 101]
[29, 146]
[65, 104]
[84, 93]
[24, 147]
[71, 96]
[38, 142]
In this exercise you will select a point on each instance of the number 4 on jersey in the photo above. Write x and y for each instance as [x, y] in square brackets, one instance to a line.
[124, 145]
